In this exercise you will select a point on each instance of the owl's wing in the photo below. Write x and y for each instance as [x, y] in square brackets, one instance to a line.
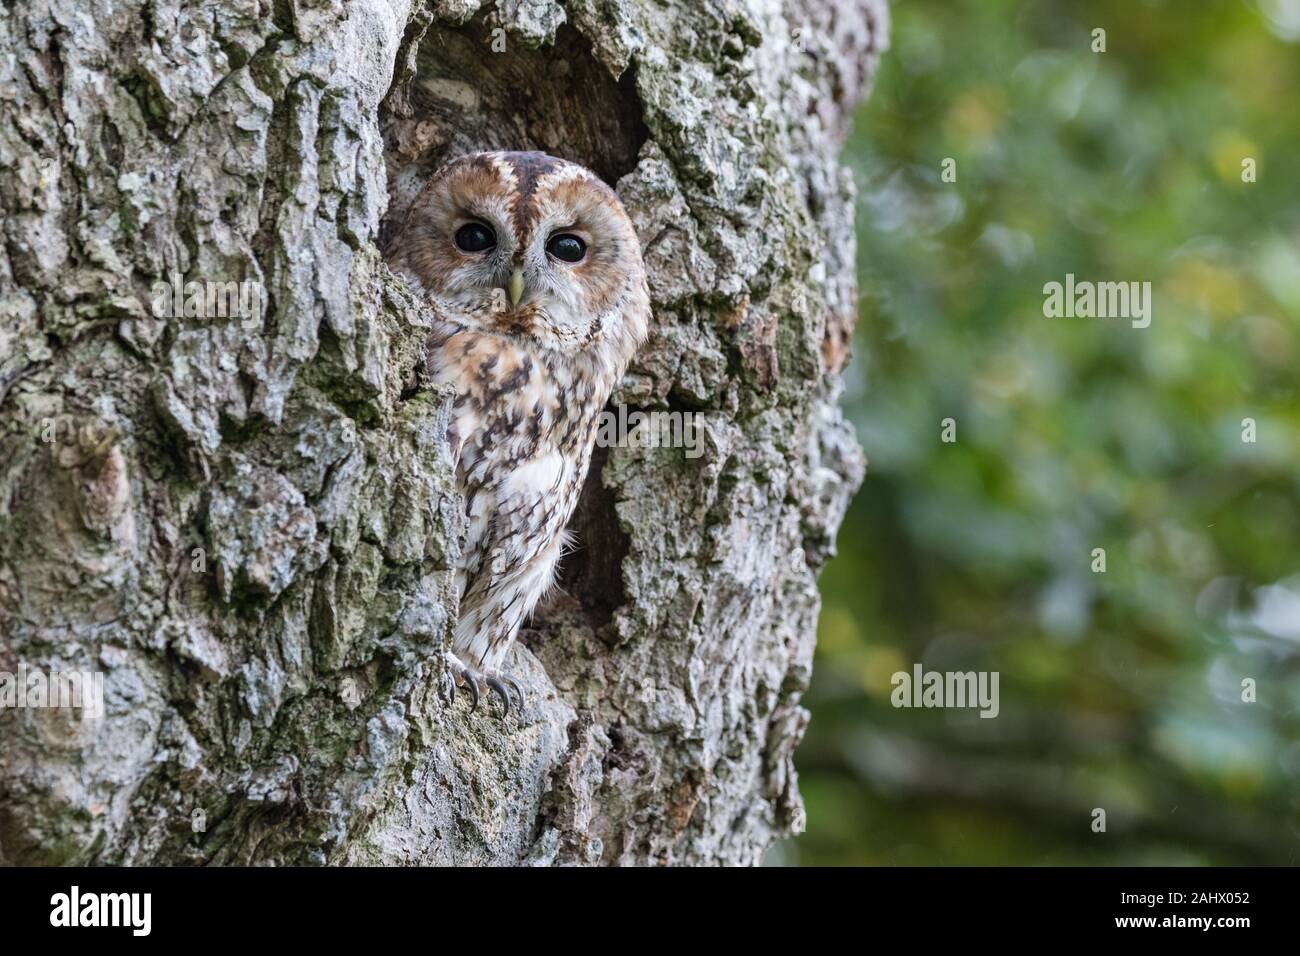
[513, 543]
[511, 523]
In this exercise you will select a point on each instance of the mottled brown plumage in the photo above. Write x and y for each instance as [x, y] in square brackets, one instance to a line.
[533, 343]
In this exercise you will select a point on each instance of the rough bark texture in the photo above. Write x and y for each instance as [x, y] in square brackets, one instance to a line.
[246, 526]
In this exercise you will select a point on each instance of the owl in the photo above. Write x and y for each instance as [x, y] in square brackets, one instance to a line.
[534, 276]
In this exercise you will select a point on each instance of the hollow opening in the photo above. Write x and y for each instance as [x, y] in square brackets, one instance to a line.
[467, 98]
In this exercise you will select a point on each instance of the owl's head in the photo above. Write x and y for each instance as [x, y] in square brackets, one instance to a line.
[524, 244]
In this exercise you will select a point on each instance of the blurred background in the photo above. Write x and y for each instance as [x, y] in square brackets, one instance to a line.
[1119, 690]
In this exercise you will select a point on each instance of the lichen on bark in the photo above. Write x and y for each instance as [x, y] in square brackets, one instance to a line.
[247, 526]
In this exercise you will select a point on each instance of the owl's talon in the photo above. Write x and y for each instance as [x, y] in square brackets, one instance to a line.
[495, 684]
[475, 680]
[514, 684]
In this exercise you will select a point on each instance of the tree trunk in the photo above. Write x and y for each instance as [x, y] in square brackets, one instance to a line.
[243, 518]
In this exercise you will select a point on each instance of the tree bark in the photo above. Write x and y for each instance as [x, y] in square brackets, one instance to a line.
[245, 523]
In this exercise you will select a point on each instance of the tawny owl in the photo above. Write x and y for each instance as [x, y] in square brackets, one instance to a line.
[538, 291]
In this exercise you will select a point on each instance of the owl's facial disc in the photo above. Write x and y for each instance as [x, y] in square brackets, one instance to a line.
[523, 244]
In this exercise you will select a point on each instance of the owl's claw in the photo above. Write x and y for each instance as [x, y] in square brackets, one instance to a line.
[514, 684]
[496, 682]
[472, 684]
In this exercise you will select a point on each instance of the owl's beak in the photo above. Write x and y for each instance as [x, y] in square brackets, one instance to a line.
[515, 287]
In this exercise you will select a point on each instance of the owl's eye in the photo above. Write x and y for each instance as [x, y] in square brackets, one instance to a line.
[475, 237]
[566, 247]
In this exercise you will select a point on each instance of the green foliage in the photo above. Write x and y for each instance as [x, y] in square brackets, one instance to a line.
[1119, 690]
